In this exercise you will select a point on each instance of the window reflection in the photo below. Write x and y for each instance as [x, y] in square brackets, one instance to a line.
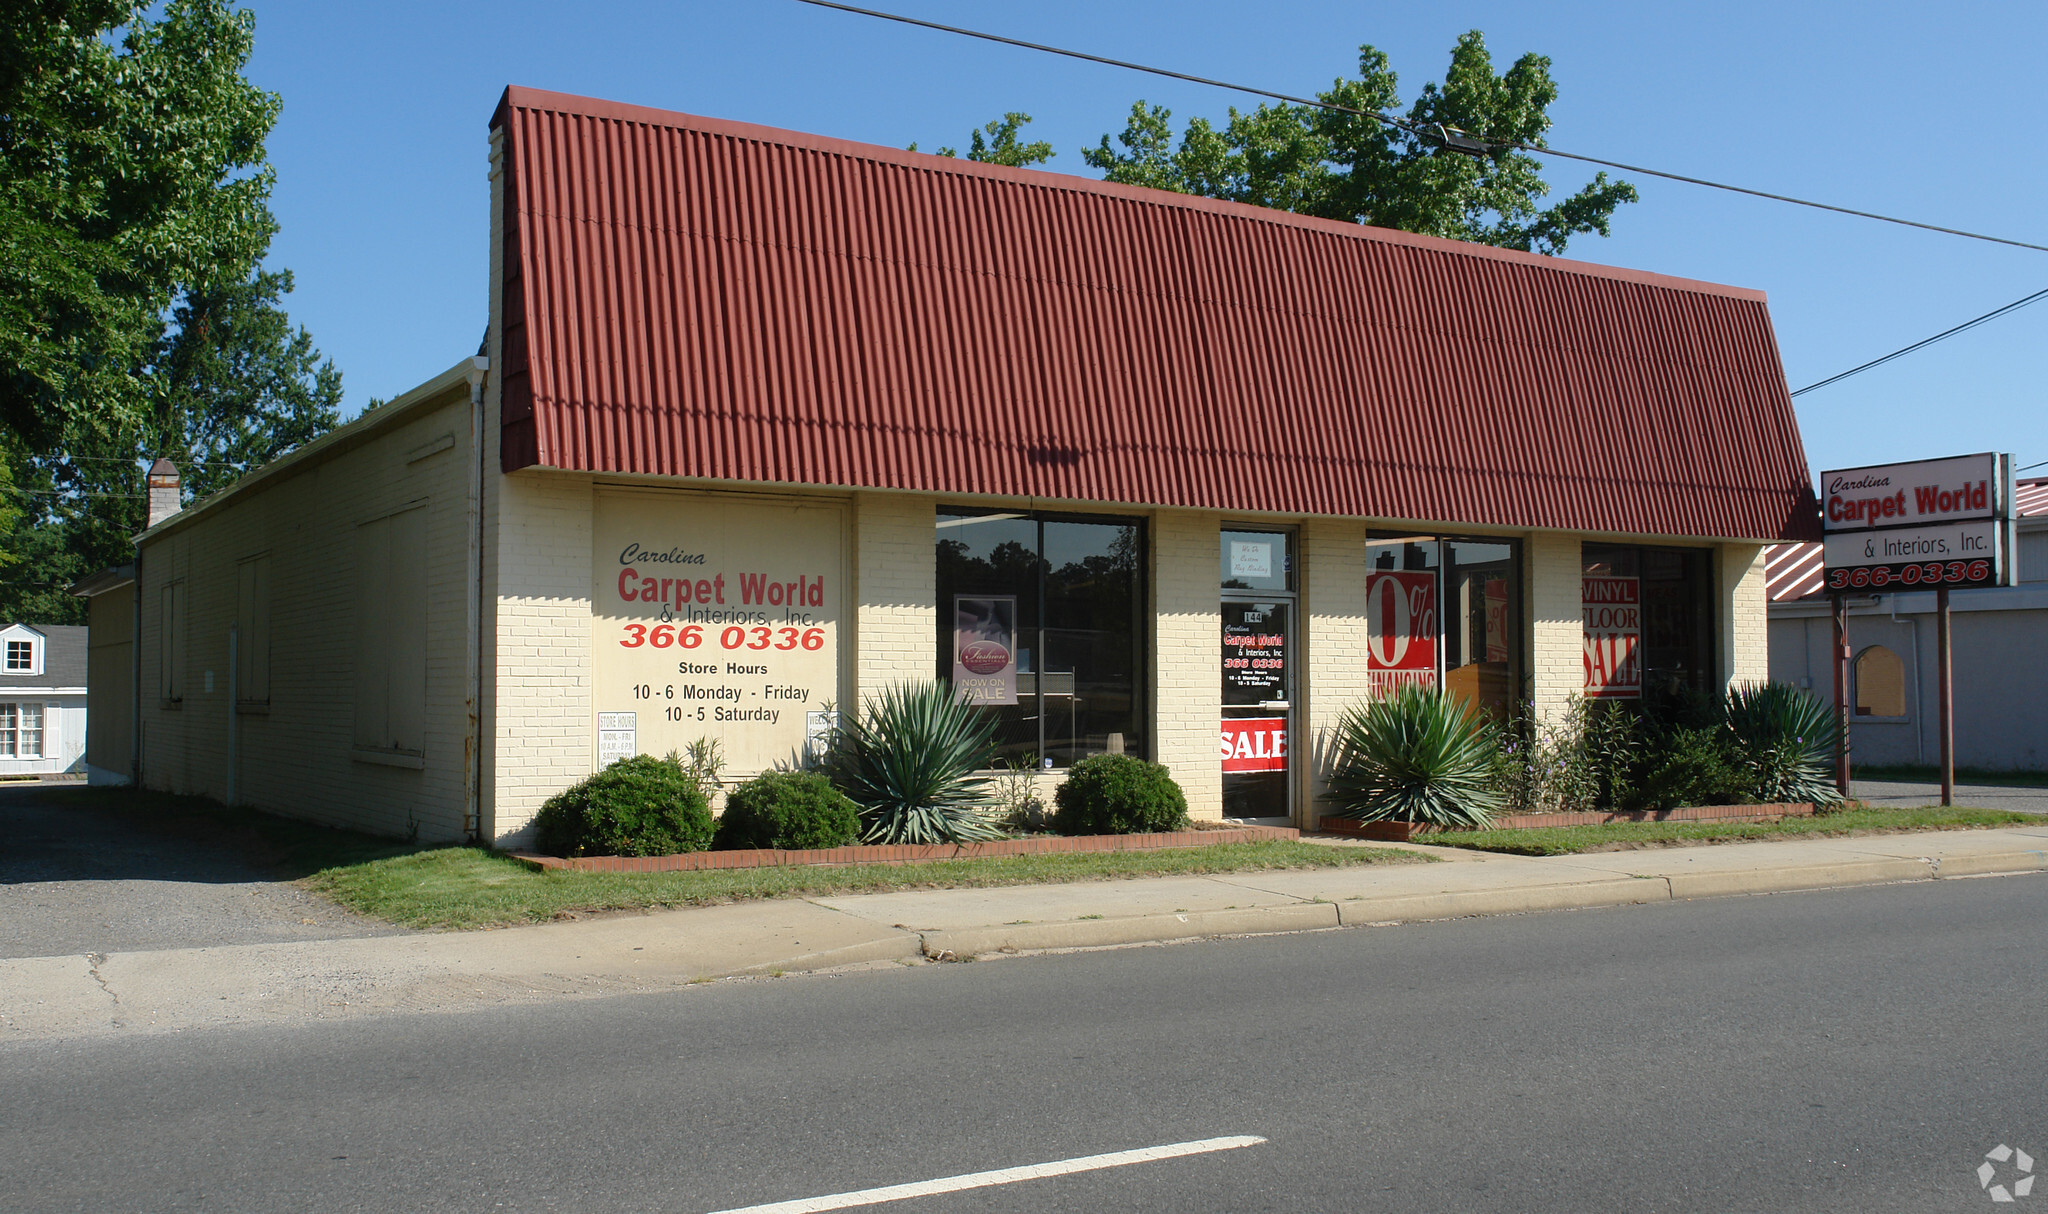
[1080, 638]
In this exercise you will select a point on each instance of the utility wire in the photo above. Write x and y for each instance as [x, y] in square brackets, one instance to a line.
[1421, 129]
[1928, 341]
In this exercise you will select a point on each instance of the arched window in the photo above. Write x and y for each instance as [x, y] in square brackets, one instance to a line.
[1880, 683]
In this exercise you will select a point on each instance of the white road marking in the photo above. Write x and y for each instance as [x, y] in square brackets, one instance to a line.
[982, 1180]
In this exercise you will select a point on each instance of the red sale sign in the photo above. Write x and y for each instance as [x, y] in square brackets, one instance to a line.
[1614, 635]
[1400, 630]
[1255, 744]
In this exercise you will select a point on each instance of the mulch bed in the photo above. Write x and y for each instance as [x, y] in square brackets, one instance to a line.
[1403, 832]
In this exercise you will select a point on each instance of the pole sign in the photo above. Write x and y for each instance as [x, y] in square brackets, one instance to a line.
[1927, 523]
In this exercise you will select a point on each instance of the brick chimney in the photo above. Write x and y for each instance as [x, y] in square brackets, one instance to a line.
[163, 491]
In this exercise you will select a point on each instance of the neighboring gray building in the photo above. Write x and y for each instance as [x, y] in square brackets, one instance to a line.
[42, 699]
[2001, 654]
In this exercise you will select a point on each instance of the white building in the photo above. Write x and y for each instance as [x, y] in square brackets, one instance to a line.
[42, 700]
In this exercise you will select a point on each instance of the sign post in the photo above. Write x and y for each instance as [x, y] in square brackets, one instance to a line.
[1936, 524]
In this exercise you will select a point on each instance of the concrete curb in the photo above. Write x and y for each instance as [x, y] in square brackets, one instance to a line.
[906, 947]
[1134, 929]
[1406, 908]
[1616, 891]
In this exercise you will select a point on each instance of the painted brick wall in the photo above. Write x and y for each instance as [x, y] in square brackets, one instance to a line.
[1557, 621]
[896, 615]
[1187, 695]
[1745, 642]
[295, 756]
[1334, 608]
[542, 734]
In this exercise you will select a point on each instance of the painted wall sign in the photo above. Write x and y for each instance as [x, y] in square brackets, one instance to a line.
[1613, 609]
[985, 648]
[1400, 629]
[1915, 494]
[1956, 555]
[715, 617]
[1254, 744]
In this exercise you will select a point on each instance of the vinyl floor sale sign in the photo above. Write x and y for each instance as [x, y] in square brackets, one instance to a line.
[1614, 636]
[715, 618]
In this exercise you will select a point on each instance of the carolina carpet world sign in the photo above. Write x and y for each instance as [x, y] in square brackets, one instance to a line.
[1929, 523]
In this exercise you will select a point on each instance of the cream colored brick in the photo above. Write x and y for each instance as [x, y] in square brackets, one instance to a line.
[896, 614]
[1187, 689]
[1334, 676]
[1744, 642]
[1557, 664]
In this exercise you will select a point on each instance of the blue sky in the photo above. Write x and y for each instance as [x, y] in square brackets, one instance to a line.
[1930, 114]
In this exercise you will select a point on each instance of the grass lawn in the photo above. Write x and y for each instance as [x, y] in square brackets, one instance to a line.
[1624, 836]
[467, 887]
[1909, 773]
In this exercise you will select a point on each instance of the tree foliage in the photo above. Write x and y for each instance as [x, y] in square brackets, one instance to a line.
[998, 143]
[136, 319]
[1345, 166]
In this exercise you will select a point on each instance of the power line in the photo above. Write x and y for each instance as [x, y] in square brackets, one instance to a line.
[1420, 129]
[1928, 341]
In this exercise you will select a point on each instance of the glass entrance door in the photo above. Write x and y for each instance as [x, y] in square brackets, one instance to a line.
[1258, 708]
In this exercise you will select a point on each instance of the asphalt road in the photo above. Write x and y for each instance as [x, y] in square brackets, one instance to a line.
[1848, 1050]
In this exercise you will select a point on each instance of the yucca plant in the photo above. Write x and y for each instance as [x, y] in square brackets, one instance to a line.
[1786, 739]
[1417, 755]
[908, 761]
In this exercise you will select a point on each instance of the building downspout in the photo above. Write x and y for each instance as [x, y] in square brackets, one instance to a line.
[472, 742]
[234, 692]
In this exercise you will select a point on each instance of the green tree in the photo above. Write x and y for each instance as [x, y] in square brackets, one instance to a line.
[131, 167]
[1344, 166]
[135, 317]
[232, 385]
[997, 143]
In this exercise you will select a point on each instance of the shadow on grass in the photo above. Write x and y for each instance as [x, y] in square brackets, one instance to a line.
[87, 833]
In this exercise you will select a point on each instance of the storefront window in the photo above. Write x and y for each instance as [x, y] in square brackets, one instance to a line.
[1445, 612]
[1040, 622]
[1649, 620]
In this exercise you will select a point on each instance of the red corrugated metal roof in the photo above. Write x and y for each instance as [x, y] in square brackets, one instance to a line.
[1792, 571]
[2030, 497]
[691, 297]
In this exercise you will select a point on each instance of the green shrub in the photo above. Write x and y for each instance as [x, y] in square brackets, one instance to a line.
[1417, 755]
[1118, 795]
[642, 806]
[1785, 741]
[1685, 766]
[908, 761]
[787, 809]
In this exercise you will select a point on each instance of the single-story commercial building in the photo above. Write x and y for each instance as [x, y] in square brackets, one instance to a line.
[2001, 651]
[765, 422]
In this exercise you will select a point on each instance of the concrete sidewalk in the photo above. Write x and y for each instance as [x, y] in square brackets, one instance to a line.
[177, 989]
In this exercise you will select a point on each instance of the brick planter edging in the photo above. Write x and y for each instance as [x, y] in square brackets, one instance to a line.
[1401, 832]
[905, 853]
